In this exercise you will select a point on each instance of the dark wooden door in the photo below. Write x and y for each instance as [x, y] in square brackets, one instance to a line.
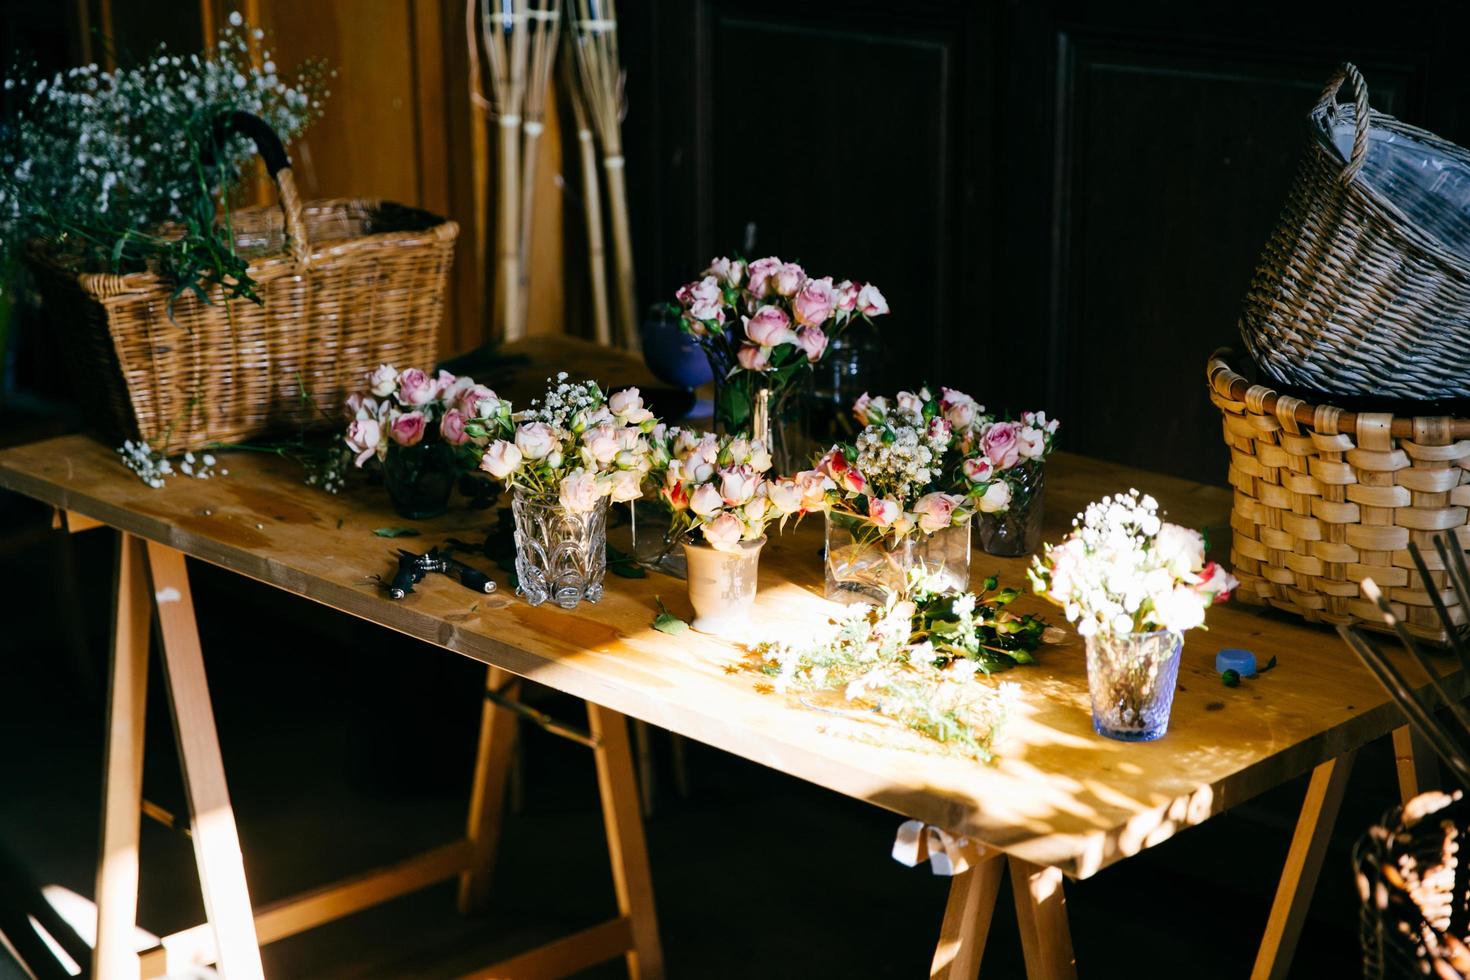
[1062, 200]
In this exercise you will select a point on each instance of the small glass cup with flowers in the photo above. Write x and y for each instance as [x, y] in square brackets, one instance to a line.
[412, 426]
[1133, 584]
[1014, 452]
[565, 458]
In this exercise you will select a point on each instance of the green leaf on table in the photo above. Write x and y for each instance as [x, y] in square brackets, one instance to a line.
[396, 532]
[1230, 678]
[621, 563]
[667, 622]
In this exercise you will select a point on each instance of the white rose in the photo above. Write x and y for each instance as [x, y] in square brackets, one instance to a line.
[579, 491]
[536, 440]
[627, 485]
[997, 497]
[1031, 441]
[602, 443]
[738, 484]
[724, 532]
[1180, 549]
[705, 500]
[785, 496]
[384, 381]
[501, 459]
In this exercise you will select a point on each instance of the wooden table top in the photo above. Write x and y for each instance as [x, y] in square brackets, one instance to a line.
[1058, 795]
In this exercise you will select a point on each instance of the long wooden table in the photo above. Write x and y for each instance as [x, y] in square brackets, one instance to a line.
[1060, 801]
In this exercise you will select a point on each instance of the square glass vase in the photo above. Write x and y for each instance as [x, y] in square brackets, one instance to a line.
[865, 565]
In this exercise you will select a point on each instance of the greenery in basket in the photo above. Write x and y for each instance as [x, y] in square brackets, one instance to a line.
[923, 661]
[119, 171]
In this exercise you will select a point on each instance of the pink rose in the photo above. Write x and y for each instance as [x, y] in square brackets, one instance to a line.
[703, 299]
[408, 428]
[738, 484]
[501, 459]
[883, 512]
[978, 469]
[363, 436]
[936, 511]
[726, 270]
[788, 279]
[676, 495]
[959, 409]
[870, 301]
[477, 402]
[626, 485]
[815, 302]
[813, 341]
[842, 473]
[444, 385]
[814, 485]
[939, 430]
[627, 405]
[754, 358]
[910, 403]
[770, 326]
[602, 443]
[416, 388]
[1215, 583]
[999, 443]
[846, 296]
[760, 274]
[451, 428]
[860, 408]
[724, 532]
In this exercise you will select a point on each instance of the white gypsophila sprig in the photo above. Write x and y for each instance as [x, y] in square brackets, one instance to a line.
[154, 468]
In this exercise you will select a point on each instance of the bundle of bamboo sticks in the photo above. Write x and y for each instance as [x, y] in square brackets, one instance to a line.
[519, 39]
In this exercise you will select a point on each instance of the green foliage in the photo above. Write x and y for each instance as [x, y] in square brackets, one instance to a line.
[667, 622]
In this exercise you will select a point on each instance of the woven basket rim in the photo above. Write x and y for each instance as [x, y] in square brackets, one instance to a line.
[105, 286]
[1228, 384]
[1397, 221]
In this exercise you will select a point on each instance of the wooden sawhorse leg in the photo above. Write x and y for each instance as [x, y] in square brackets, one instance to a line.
[216, 841]
[122, 777]
[634, 933]
[1041, 914]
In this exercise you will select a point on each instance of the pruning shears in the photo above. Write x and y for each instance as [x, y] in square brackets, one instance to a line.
[412, 568]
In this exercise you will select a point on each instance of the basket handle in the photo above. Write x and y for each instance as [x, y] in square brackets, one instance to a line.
[278, 165]
[1348, 71]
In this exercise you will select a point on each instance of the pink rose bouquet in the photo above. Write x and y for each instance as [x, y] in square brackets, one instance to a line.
[764, 325]
[575, 445]
[720, 487]
[413, 426]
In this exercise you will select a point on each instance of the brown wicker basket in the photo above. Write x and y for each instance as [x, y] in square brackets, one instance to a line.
[1326, 498]
[1358, 291]
[1412, 878]
[347, 285]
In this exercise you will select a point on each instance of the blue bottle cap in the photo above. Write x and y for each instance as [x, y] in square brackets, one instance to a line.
[1243, 662]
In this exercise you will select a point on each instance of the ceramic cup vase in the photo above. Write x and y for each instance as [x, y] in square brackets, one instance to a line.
[722, 586]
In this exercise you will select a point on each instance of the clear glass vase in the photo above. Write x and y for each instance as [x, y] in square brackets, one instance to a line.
[865, 565]
[560, 554]
[743, 403]
[1016, 530]
[652, 542]
[1131, 677]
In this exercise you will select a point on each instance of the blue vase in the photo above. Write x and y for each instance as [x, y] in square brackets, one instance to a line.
[672, 355]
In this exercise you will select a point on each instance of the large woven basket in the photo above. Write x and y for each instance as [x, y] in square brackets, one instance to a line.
[347, 285]
[1364, 286]
[1412, 878]
[1326, 498]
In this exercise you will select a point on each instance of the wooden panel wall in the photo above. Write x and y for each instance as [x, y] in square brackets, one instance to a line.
[1063, 199]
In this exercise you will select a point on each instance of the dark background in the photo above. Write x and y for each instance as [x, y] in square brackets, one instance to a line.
[1063, 201]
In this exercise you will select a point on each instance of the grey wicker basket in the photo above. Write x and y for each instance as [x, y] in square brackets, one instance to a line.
[1364, 286]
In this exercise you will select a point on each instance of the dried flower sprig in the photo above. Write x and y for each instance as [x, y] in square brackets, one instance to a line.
[923, 661]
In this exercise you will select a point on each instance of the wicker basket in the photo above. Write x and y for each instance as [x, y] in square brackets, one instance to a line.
[362, 283]
[1326, 498]
[1412, 879]
[1358, 291]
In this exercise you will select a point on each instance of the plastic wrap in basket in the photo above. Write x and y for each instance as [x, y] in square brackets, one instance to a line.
[346, 284]
[1412, 878]
[1324, 499]
[1364, 286]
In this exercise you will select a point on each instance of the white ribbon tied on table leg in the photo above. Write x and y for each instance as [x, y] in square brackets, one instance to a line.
[947, 854]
